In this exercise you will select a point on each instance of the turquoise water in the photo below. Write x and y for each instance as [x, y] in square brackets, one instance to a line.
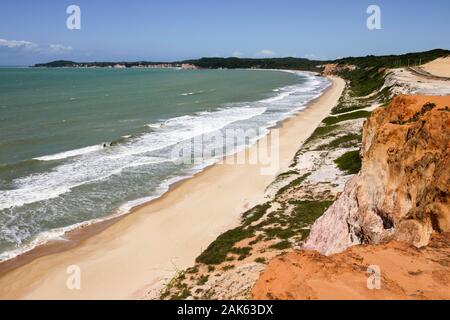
[81, 144]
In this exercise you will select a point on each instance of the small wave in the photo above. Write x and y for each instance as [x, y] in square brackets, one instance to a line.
[94, 166]
[69, 154]
[192, 93]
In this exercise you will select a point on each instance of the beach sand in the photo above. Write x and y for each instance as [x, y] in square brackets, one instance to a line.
[439, 67]
[157, 239]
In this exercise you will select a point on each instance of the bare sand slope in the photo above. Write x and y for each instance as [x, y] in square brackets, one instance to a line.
[439, 67]
[167, 234]
[406, 273]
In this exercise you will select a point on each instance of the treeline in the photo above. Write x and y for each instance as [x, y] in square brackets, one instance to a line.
[395, 61]
[389, 61]
[204, 63]
[369, 75]
[244, 63]
[72, 64]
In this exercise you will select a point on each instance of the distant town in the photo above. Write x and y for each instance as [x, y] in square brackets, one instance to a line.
[115, 65]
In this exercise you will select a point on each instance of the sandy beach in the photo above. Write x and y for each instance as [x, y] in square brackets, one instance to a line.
[159, 238]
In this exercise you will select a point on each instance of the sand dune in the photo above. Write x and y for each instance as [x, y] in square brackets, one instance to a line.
[439, 67]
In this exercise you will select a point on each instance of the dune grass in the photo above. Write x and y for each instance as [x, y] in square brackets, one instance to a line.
[349, 162]
[347, 116]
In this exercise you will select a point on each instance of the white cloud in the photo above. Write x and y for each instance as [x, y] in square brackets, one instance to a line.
[237, 54]
[59, 49]
[265, 54]
[18, 44]
[26, 46]
[312, 56]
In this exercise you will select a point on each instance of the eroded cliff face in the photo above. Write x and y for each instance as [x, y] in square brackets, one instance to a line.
[403, 190]
[405, 272]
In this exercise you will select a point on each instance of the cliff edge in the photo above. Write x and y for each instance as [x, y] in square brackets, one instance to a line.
[393, 216]
[403, 190]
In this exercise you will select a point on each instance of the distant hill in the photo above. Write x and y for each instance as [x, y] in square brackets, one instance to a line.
[395, 61]
[273, 63]
[388, 61]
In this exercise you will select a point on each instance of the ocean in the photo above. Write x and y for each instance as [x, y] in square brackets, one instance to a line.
[81, 145]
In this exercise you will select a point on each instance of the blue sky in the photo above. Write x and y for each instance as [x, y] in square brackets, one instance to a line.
[35, 31]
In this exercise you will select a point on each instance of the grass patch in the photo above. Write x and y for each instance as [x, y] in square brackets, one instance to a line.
[344, 109]
[364, 81]
[202, 280]
[255, 213]
[242, 252]
[257, 239]
[228, 267]
[344, 117]
[175, 282]
[217, 252]
[280, 233]
[287, 173]
[183, 295]
[293, 184]
[349, 162]
[321, 132]
[192, 270]
[347, 141]
[261, 260]
[307, 212]
[285, 244]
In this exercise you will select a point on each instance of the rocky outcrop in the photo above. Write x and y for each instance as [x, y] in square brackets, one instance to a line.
[403, 190]
[391, 271]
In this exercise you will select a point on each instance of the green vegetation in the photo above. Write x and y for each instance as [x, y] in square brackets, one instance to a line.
[242, 252]
[287, 173]
[280, 233]
[306, 212]
[347, 116]
[427, 107]
[347, 141]
[176, 282]
[261, 260]
[202, 280]
[349, 162]
[341, 108]
[369, 74]
[273, 63]
[192, 270]
[321, 132]
[228, 267]
[217, 251]
[395, 61]
[283, 245]
[255, 213]
[364, 81]
[293, 184]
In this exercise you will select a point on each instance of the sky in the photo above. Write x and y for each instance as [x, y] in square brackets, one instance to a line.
[168, 30]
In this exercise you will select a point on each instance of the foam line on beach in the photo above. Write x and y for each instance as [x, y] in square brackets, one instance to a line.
[102, 163]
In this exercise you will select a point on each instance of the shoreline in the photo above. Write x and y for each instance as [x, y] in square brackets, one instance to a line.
[107, 250]
[57, 237]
